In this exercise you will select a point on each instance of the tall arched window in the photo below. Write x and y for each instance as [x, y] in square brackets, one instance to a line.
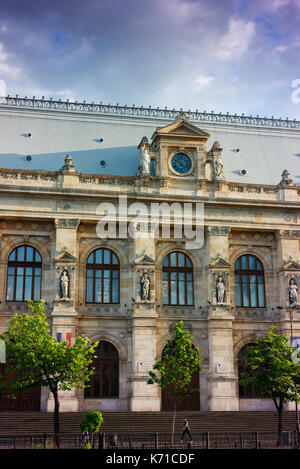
[190, 398]
[104, 383]
[245, 390]
[102, 277]
[249, 282]
[177, 280]
[24, 274]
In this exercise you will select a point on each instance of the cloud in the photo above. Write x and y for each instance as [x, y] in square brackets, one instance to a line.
[2, 88]
[5, 67]
[275, 5]
[237, 39]
[280, 49]
[201, 81]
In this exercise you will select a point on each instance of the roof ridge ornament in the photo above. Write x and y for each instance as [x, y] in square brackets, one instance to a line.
[285, 179]
[68, 167]
[181, 116]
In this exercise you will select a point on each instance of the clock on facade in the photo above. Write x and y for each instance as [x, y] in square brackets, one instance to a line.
[181, 163]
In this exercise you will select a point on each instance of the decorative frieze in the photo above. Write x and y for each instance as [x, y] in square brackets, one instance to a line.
[250, 314]
[111, 180]
[288, 234]
[67, 223]
[218, 230]
[254, 189]
[27, 175]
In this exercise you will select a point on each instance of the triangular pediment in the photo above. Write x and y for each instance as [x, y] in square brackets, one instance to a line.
[65, 256]
[144, 260]
[181, 128]
[291, 266]
[219, 263]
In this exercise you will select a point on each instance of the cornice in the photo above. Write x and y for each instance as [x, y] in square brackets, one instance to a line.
[145, 112]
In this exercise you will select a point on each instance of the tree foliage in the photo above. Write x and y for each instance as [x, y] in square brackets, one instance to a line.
[271, 368]
[92, 422]
[35, 358]
[273, 372]
[173, 372]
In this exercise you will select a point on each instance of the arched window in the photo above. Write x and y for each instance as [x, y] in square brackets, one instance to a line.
[245, 390]
[177, 280]
[104, 383]
[102, 277]
[24, 274]
[249, 282]
[190, 399]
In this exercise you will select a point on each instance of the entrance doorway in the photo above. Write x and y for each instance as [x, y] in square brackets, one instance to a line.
[190, 400]
[29, 401]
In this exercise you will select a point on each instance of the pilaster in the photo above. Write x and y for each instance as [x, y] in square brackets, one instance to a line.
[144, 316]
[64, 314]
[221, 377]
[288, 256]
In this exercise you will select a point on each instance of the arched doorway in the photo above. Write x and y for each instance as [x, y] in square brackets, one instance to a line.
[104, 383]
[27, 401]
[190, 400]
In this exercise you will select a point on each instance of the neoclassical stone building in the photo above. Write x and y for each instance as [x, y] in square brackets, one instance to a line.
[65, 166]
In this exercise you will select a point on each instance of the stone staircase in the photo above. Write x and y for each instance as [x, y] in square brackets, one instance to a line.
[30, 423]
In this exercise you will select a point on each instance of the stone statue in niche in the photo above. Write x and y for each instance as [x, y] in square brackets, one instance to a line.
[145, 159]
[145, 286]
[64, 285]
[218, 167]
[220, 290]
[293, 292]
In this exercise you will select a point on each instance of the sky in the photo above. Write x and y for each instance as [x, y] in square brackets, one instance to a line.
[233, 56]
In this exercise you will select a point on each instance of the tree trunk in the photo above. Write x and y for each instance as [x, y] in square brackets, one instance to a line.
[280, 412]
[56, 416]
[173, 426]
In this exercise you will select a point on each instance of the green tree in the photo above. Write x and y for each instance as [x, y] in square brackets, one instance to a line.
[173, 373]
[92, 423]
[35, 358]
[273, 372]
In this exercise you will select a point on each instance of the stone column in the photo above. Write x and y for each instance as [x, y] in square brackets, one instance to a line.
[144, 397]
[64, 314]
[221, 377]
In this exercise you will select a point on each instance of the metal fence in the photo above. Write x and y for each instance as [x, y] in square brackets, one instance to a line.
[208, 440]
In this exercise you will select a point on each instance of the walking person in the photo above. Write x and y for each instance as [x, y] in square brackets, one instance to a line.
[186, 430]
[84, 439]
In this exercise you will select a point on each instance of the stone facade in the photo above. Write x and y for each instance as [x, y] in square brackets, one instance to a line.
[56, 213]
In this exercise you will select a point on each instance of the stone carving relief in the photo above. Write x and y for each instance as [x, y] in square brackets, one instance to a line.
[287, 234]
[67, 223]
[218, 230]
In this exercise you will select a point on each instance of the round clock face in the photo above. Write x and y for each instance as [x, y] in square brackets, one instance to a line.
[181, 163]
